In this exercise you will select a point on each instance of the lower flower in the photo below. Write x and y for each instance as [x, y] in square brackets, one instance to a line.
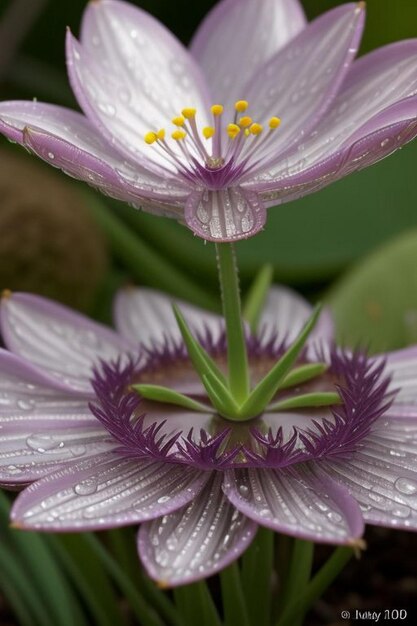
[94, 454]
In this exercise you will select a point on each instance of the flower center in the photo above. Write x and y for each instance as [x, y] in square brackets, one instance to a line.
[228, 149]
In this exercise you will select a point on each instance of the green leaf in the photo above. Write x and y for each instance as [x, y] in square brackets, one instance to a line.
[220, 396]
[256, 296]
[324, 398]
[266, 389]
[303, 374]
[375, 304]
[234, 601]
[169, 396]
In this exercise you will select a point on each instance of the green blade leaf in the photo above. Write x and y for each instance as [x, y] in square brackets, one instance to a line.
[267, 388]
[202, 361]
[220, 396]
[255, 299]
[324, 398]
[303, 374]
[169, 396]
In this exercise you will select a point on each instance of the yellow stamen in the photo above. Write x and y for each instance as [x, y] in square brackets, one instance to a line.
[178, 135]
[245, 122]
[178, 121]
[208, 132]
[161, 134]
[241, 106]
[217, 109]
[256, 129]
[189, 113]
[150, 138]
[247, 132]
[274, 122]
[233, 130]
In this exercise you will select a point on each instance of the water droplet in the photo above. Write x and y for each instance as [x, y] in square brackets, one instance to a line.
[401, 511]
[155, 540]
[26, 405]
[43, 443]
[384, 143]
[163, 499]
[264, 512]
[86, 487]
[334, 517]
[172, 543]
[77, 451]
[51, 155]
[406, 486]
[107, 109]
[243, 490]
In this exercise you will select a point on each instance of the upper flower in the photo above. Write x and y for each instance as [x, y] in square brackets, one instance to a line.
[100, 456]
[264, 107]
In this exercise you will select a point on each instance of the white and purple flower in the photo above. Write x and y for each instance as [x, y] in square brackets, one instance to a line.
[92, 454]
[220, 169]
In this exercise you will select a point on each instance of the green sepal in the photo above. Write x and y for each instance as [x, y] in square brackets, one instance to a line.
[203, 363]
[303, 374]
[262, 395]
[321, 398]
[255, 299]
[169, 396]
[220, 396]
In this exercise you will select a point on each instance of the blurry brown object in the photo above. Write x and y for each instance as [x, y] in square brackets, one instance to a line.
[49, 244]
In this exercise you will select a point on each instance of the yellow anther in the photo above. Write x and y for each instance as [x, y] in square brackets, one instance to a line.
[241, 106]
[178, 135]
[256, 129]
[178, 121]
[161, 134]
[245, 122]
[189, 113]
[233, 130]
[150, 138]
[274, 122]
[217, 109]
[247, 133]
[208, 132]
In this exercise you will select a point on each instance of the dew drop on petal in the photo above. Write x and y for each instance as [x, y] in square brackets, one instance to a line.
[163, 499]
[401, 511]
[244, 491]
[51, 155]
[407, 486]
[43, 443]
[384, 143]
[86, 487]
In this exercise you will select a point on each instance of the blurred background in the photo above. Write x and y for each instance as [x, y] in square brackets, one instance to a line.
[353, 245]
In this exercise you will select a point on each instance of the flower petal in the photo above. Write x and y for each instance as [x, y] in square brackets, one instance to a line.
[401, 366]
[286, 312]
[375, 95]
[196, 541]
[298, 501]
[242, 34]
[227, 215]
[145, 316]
[131, 75]
[301, 80]
[104, 492]
[384, 485]
[66, 139]
[64, 344]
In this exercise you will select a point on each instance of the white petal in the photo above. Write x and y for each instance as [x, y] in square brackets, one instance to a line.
[196, 541]
[64, 344]
[105, 492]
[131, 75]
[238, 36]
[296, 500]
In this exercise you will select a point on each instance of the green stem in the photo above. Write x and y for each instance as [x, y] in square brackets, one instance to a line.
[299, 573]
[143, 612]
[257, 569]
[234, 604]
[143, 262]
[236, 344]
[316, 587]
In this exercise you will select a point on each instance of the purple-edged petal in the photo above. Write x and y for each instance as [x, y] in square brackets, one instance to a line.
[286, 312]
[383, 482]
[64, 344]
[300, 82]
[106, 491]
[131, 75]
[298, 501]
[196, 541]
[374, 96]
[398, 126]
[238, 36]
[67, 140]
[401, 366]
[225, 215]
[145, 316]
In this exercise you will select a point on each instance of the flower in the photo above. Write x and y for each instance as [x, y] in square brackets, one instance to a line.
[230, 156]
[93, 454]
